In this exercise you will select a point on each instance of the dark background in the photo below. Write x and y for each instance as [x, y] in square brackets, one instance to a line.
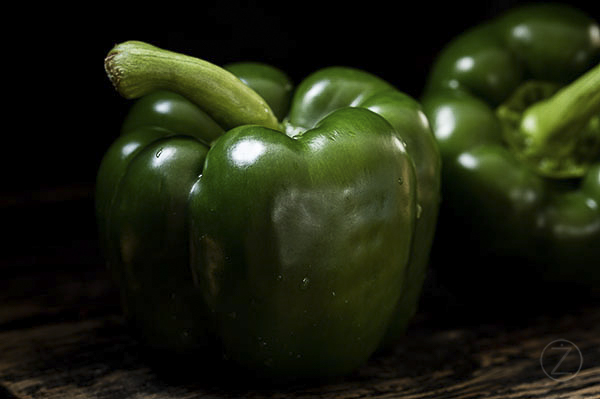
[65, 112]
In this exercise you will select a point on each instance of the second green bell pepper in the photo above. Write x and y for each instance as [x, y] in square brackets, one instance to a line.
[292, 231]
[515, 107]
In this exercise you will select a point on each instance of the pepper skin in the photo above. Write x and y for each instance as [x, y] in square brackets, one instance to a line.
[522, 223]
[298, 247]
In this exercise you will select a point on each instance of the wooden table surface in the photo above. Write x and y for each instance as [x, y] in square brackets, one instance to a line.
[62, 336]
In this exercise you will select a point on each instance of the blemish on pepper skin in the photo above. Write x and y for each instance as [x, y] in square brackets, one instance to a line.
[305, 283]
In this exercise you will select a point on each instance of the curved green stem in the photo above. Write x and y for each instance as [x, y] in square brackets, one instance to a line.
[137, 68]
[552, 125]
[556, 131]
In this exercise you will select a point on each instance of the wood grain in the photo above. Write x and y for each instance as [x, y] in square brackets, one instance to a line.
[96, 358]
[62, 336]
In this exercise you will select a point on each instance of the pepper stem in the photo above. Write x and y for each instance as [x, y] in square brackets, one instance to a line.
[137, 68]
[556, 129]
[558, 117]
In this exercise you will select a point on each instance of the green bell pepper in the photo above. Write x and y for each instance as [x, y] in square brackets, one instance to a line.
[291, 228]
[514, 104]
